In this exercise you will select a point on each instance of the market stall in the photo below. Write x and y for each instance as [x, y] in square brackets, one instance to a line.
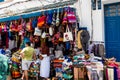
[62, 44]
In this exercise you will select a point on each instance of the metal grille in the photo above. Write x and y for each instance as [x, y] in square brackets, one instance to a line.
[113, 10]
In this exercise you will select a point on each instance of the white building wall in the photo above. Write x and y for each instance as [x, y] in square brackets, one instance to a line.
[84, 12]
[83, 8]
[91, 21]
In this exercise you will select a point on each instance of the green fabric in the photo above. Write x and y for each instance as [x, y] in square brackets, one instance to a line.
[3, 67]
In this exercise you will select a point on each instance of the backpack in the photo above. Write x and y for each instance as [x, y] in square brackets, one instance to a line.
[34, 22]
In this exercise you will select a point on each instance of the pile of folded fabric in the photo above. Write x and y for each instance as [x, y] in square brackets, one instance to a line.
[67, 68]
[16, 65]
[79, 58]
[57, 63]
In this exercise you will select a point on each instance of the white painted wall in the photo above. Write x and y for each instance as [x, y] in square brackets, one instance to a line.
[84, 12]
[83, 8]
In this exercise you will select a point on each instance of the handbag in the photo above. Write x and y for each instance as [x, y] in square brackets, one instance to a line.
[34, 23]
[29, 26]
[55, 39]
[71, 16]
[57, 19]
[50, 31]
[36, 39]
[54, 19]
[37, 32]
[43, 34]
[20, 27]
[5, 28]
[41, 21]
[65, 20]
[67, 35]
[49, 18]
[0, 28]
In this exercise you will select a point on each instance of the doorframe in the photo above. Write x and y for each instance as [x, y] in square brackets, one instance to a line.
[107, 2]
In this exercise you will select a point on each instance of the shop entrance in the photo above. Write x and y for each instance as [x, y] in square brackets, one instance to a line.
[112, 30]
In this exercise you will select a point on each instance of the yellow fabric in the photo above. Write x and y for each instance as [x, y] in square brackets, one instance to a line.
[79, 39]
[28, 53]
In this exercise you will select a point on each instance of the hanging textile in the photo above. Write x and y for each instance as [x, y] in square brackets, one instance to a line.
[3, 67]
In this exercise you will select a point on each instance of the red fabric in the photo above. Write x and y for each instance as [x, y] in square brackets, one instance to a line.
[7, 40]
[107, 74]
[0, 29]
[118, 73]
[20, 27]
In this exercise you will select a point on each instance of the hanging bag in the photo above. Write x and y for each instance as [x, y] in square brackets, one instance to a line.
[55, 39]
[43, 34]
[5, 28]
[37, 32]
[0, 29]
[15, 26]
[41, 21]
[67, 35]
[65, 20]
[34, 23]
[20, 27]
[49, 18]
[71, 16]
[57, 18]
[54, 19]
[50, 31]
[29, 26]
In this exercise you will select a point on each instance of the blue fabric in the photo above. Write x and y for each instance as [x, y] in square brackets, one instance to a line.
[115, 74]
[49, 17]
[3, 52]
[67, 45]
[58, 69]
[9, 34]
[34, 23]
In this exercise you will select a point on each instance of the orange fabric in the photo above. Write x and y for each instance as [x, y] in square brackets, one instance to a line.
[16, 74]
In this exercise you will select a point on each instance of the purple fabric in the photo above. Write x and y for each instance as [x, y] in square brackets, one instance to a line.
[118, 73]
[94, 75]
[90, 49]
